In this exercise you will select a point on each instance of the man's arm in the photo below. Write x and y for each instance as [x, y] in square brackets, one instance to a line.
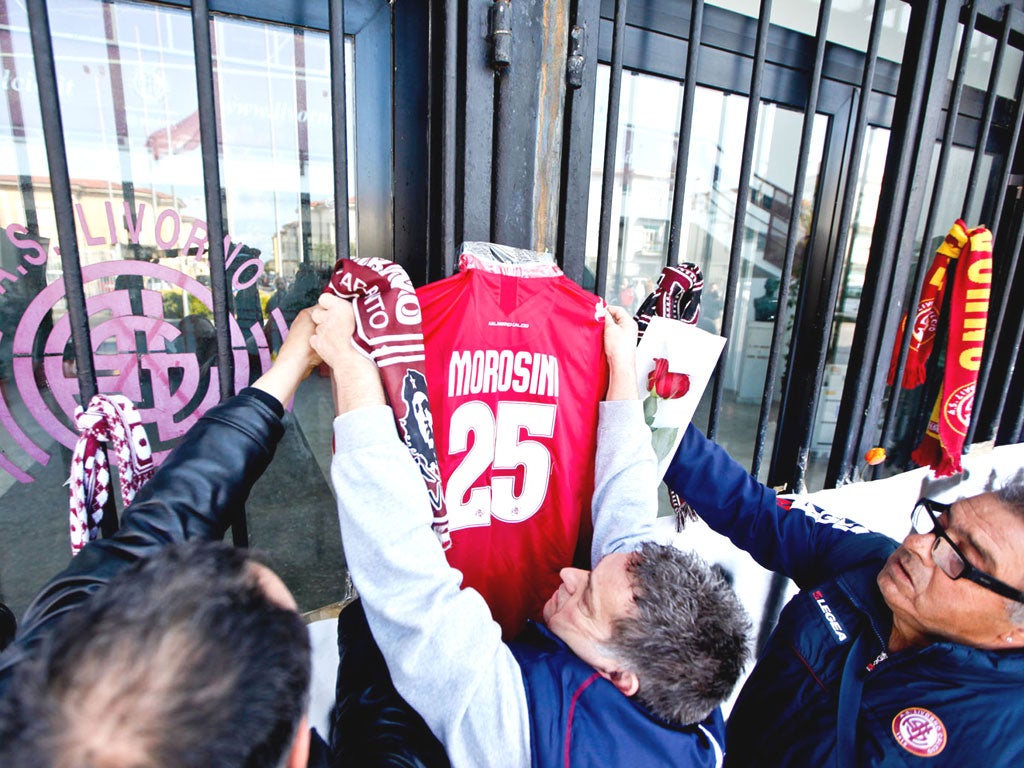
[195, 493]
[442, 647]
[806, 546]
[625, 502]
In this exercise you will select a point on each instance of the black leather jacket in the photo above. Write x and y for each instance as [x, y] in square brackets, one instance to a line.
[195, 493]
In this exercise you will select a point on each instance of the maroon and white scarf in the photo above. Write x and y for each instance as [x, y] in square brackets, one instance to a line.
[389, 331]
[676, 297]
[113, 419]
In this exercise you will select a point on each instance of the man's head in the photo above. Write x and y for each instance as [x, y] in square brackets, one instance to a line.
[421, 410]
[195, 656]
[980, 538]
[659, 624]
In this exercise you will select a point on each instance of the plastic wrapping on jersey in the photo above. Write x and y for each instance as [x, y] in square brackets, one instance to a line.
[504, 254]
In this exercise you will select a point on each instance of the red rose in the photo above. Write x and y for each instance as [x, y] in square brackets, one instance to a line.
[666, 384]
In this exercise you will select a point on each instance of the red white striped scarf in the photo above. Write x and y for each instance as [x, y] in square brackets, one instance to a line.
[676, 296]
[389, 332]
[113, 419]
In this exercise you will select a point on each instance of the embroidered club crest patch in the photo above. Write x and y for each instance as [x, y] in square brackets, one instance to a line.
[919, 731]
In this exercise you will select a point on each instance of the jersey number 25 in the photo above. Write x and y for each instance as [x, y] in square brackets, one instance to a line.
[503, 441]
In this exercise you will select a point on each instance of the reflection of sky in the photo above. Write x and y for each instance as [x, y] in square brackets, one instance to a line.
[257, 112]
[642, 199]
[850, 24]
[850, 21]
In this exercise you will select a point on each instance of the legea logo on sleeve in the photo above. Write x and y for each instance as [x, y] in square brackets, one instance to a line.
[830, 617]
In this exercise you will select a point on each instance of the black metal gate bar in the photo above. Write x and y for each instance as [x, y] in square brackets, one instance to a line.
[60, 185]
[739, 223]
[302, 145]
[120, 110]
[924, 258]
[339, 119]
[1018, 426]
[578, 139]
[211, 187]
[611, 137]
[799, 182]
[1008, 378]
[777, 586]
[993, 333]
[685, 130]
[1011, 157]
[507, 225]
[448, 144]
[888, 268]
[474, 172]
[986, 120]
[840, 242]
[215, 219]
[994, 329]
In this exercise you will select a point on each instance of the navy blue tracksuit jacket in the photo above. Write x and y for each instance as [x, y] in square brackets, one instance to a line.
[580, 720]
[824, 691]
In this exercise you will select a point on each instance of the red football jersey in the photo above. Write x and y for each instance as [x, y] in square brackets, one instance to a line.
[515, 372]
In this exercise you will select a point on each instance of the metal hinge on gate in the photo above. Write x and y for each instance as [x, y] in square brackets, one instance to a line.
[501, 34]
[577, 54]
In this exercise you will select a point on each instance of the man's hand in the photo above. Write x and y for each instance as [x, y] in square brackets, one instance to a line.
[355, 377]
[294, 360]
[620, 350]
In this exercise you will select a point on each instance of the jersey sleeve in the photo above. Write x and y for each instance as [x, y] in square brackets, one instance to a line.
[625, 503]
[799, 540]
[442, 647]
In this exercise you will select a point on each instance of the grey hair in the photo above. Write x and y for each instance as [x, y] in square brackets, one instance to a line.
[1012, 497]
[688, 639]
[1012, 494]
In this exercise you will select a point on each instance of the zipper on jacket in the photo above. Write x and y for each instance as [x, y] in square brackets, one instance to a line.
[878, 660]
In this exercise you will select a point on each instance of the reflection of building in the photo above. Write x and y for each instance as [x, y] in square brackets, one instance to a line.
[321, 249]
[288, 242]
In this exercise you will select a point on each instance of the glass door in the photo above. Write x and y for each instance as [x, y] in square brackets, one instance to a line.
[641, 210]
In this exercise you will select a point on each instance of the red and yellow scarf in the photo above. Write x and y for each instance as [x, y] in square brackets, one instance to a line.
[943, 442]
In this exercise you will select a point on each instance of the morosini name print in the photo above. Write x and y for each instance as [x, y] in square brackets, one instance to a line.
[486, 371]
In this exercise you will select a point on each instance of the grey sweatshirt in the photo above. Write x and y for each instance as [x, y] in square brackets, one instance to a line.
[442, 647]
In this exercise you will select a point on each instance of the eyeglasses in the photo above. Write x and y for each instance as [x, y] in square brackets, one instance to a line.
[947, 555]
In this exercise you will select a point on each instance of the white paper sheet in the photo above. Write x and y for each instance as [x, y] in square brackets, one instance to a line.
[688, 350]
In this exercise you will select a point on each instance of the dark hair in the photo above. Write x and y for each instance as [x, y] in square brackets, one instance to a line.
[688, 639]
[180, 660]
